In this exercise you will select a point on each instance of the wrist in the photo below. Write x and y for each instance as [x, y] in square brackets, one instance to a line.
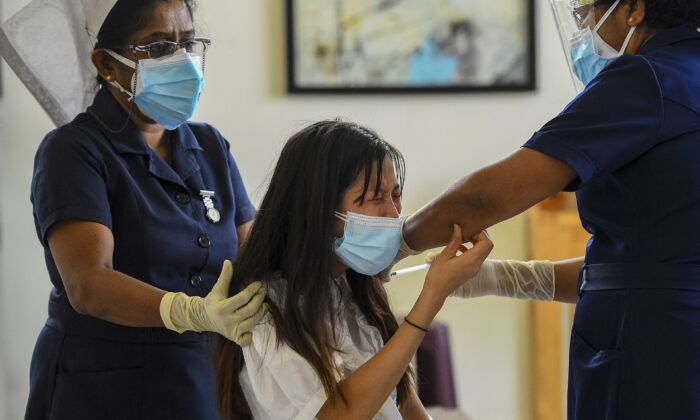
[404, 247]
[407, 235]
[431, 298]
[167, 302]
[487, 277]
[426, 308]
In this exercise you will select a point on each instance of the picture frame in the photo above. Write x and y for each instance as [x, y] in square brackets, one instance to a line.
[410, 46]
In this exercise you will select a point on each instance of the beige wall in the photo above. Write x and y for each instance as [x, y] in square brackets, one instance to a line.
[442, 137]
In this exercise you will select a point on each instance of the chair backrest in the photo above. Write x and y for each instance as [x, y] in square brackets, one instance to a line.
[434, 369]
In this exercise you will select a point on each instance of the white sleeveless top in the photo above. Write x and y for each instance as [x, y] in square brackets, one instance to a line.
[280, 384]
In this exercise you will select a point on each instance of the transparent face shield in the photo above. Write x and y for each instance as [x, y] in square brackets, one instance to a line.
[572, 18]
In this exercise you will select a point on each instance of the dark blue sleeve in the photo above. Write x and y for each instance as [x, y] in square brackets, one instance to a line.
[614, 121]
[68, 182]
[245, 210]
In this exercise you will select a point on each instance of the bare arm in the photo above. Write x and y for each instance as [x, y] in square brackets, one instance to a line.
[488, 196]
[369, 386]
[243, 232]
[83, 255]
[566, 275]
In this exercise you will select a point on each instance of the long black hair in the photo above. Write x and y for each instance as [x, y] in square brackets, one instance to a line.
[293, 235]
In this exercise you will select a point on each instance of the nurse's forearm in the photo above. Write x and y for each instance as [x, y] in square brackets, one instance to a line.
[370, 386]
[566, 280]
[486, 197]
[83, 252]
[120, 299]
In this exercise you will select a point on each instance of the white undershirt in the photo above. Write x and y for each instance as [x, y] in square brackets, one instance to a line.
[280, 384]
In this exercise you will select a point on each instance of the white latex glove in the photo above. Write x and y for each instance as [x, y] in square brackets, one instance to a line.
[532, 280]
[232, 317]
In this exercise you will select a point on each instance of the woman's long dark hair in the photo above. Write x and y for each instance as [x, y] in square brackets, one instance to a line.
[293, 235]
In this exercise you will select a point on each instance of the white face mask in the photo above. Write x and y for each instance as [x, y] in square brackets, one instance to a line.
[603, 48]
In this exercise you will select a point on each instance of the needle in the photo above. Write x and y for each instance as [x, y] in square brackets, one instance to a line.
[410, 270]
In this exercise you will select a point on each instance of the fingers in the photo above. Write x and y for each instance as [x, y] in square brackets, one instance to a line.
[482, 246]
[247, 309]
[480, 236]
[242, 299]
[431, 256]
[244, 339]
[247, 325]
[224, 281]
[452, 247]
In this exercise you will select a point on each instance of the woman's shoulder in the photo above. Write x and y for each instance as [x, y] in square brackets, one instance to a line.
[73, 137]
[629, 69]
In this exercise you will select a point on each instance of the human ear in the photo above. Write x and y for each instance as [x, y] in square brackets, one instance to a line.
[104, 64]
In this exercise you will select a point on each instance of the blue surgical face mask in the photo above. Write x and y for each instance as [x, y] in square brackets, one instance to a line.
[165, 89]
[369, 244]
[590, 54]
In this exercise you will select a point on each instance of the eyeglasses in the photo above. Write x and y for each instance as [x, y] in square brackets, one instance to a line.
[165, 48]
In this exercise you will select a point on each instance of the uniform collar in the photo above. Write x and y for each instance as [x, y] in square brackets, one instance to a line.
[670, 36]
[109, 113]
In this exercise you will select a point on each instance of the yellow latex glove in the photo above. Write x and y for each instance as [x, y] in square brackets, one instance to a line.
[232, 317]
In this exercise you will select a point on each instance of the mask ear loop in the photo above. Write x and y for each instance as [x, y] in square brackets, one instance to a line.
[627, 40]
[119, 87]
[130, 64]
[605, 16]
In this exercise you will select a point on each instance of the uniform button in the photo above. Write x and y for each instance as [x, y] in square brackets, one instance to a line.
[196, 280]
[203, 241]
[183, 198]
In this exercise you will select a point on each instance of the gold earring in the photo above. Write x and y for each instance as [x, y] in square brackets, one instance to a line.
[109, 77]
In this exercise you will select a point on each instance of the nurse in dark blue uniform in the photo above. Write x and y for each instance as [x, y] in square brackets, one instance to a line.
[629, 145]
[137, 210]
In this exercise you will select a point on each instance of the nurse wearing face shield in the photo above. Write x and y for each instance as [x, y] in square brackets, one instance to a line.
[628, 146]
[137, 209]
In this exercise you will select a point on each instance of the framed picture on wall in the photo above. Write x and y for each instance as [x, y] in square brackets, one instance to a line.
[375, 46]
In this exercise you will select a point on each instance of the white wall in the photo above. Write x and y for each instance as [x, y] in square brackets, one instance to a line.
[442, 137]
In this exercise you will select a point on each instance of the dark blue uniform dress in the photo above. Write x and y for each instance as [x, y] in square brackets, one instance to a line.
[86, 368]
[633, 137]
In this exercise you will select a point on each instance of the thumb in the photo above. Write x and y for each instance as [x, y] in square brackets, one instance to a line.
[222, 285]
[482, 246]
[455, 242]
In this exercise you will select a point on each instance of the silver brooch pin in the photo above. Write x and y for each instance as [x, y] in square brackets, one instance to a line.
[212, 214]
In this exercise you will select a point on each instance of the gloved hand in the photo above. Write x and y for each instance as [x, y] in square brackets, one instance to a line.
[232, 317]
[532, 280]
